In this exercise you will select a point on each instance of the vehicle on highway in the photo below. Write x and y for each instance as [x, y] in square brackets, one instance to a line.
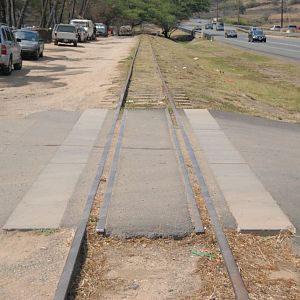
[10, 51]
[220, 27]
[65, 33]
[275, 28]
[214, 20]
[209, 26]
[231, 33]
[82, 35]
[101, 29]
[256, 34]
[291, 28]
[87, 25]
[30, 42]
[125, 30]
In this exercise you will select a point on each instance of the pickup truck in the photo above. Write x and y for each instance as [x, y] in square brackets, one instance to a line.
[65, 33]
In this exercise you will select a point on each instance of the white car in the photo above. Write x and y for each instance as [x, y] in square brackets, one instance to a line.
[275, 28]
[65, 33]
[10, 51]
[88, 25]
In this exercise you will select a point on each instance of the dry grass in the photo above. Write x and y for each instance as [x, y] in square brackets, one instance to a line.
[221, 77]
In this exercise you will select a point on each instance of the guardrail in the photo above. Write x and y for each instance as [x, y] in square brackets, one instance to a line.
[268, 31]
[196, 34]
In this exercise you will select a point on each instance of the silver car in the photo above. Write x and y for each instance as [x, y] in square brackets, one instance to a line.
[10, 51]
[30, 42]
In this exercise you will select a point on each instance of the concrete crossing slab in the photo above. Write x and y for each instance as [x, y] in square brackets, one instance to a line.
[250, 203]
[44, 204]
[149, 196]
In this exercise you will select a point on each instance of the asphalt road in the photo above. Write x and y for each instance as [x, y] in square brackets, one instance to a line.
[272, 150]
[287, 48]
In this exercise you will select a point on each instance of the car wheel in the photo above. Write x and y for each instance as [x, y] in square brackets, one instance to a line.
[36, 55]
[7, 70]
[75, 44]
[18, 66]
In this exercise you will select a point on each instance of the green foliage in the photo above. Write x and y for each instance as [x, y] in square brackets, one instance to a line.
[166, 13]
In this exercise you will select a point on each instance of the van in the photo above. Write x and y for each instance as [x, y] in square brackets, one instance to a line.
[87, 25]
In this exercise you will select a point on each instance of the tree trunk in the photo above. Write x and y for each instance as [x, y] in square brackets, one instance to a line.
[8, 13]
[44, 12]
[13, 13]
[51, 17]
[62, 11]
[85, 7]
[81, 8]
[20, 21]
[2, 12]
[73, 10]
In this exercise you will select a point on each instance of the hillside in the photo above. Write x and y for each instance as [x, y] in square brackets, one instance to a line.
[257, 12]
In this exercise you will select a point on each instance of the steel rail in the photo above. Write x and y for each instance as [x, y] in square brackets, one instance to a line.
[73, 256]
[236, 279]
[100, 228]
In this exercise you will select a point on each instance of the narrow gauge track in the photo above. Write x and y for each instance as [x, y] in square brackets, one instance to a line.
[162, 98]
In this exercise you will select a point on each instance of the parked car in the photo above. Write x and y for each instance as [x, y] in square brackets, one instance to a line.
[65, 33]
[30, 42]
[291, 28]
[87, 25]
[101, 29]
[82, 35]
[10, 51]
[125, 30]
[209, 26]
[231, 33]
[220, 27]
[256, 34]
[275, 28]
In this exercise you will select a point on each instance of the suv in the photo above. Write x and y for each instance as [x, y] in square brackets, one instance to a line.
[256, 34]
[65, 33]
[220, 27]
[10, 51]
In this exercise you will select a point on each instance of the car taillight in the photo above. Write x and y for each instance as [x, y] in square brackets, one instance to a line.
[3, 50]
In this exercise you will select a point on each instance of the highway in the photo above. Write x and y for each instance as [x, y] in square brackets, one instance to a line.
[286, 48]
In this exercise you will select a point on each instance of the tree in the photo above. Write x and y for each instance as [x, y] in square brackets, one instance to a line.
[167, 14]
[22, 13]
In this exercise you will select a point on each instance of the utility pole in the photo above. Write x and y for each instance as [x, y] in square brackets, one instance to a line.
[281, 19]
[238, 16]
[218, 10]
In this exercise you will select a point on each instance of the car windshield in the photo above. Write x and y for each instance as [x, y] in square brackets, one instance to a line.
[292, 26]
[100, 28]
[65, 28]
[26, 36]
[258, 32]
[80, 24]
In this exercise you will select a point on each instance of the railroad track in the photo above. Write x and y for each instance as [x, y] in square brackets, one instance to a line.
[139, 93]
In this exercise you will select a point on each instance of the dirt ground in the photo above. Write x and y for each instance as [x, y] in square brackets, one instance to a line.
[31, 263]
[66, 78]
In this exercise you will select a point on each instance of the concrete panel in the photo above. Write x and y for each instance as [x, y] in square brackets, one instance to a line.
[250, 203]
[44, 204]
[149, 196]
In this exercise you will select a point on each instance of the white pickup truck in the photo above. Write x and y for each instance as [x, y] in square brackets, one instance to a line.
[65, 33]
